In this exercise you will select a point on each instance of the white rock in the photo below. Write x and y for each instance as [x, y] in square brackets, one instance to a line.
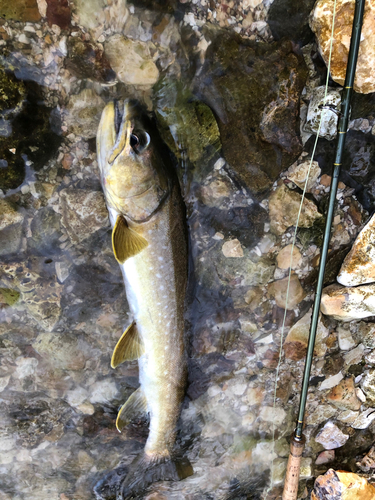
[328, 127]
[364, 419]
[345, 339]
[348, 416]
[330, 382]
[103, 391]
[271, 414]
[4, 381]
[26, 367]
[348, 303]
[331, 437]
[298, 172]
[77, 396]
[354, 356]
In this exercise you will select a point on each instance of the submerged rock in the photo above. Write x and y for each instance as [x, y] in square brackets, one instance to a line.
[295, 344]
[278, 290]
[300, 170]
[21, 10]
[284, 206]
[341, 485]
[8, 214]
[321, 24]
[331, 437]
[254, 90]
[348, 303]
[325, 118]
[358, 267]
[83, 113]
[344, 396]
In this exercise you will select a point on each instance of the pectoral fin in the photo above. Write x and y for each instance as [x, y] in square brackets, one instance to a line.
[129, 347]
[135, 407]
[125, 241]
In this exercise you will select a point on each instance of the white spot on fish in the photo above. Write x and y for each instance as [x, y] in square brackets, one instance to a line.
[160, 258]
[161, 287]
[158, 275]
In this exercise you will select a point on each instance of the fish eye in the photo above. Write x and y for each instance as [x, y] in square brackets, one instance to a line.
[139, 141]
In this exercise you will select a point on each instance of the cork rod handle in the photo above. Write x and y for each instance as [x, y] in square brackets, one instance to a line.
[293, 467]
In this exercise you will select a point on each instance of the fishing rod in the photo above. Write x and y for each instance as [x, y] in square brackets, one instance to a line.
[298, 439]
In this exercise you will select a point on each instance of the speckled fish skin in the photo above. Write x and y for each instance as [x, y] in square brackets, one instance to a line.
[138, 186]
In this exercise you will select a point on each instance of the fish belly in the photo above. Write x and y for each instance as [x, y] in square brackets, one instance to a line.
[155, 281]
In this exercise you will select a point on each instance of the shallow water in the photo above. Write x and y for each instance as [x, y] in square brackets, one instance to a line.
[227, 101]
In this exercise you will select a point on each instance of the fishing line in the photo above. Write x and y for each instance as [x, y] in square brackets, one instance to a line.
[293, 245]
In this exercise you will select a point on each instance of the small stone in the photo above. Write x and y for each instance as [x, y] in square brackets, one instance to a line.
[103, 391]
[330, 382]
[354, 356]
[366, 333]
[232, 248]
[364, 419]
[271, 414]
[321, 23]
[4, 381]
[298, 172]
[62, 351]
[358, 267]
[296, 341]
[285, 257]
[278, 290]
[83, 113]
[368, 460]
[347, 417]
[368, 386]
[325, 457]
[320, 414]
[325, 118]
[344, 396]
[284, 206]
[331, 437]
[77, 396]
[86, 408]
[8, 214]
[348, 303]
[341, 485]
[345, 339]
[132, 61]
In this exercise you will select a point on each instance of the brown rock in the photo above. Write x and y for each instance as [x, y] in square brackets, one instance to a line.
[8, 214]
[368, 460]
[348, 303]
[325, 457]
[20, 10]
[358, 267]
[58, 12]
[285, 256]
[321, 24]
[295, 344]
[343, 395]
[284, 206]
[341, 485]
[278, 290]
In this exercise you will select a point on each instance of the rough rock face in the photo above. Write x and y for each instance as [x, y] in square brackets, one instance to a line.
[340, 485]
[321, 23]
[358, 267]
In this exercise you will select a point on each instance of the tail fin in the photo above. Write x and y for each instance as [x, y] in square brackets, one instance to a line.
[108, 486]
[144, 472]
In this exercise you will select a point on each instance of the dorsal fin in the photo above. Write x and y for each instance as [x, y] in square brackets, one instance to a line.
[125, 241]
[129, 347]
[135, 407]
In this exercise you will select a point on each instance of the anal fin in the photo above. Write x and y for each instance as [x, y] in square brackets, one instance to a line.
[129, 347]
[125, 241]
[135, 407]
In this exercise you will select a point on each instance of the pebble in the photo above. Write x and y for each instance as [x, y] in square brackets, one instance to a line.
[364, 419]
[331, 437]
[285, 257]
[296, 341]
[345, 339]
[330, 382]
[325, 457]
[348, 303]
[344, 396]
[232, 248]
[325, 118]
[278, 290]
[298, 172]
[103, 391]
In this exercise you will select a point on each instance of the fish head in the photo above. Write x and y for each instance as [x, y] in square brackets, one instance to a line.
[133, 172]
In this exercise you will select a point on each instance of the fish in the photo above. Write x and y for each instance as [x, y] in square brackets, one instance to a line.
[149, 241]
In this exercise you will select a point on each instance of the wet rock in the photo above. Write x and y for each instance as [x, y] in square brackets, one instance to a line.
[299, 171]
[9, 214]
[368, 386]
[348, 303]
[364, 419]
[11, 238]
[366, 334]
[321, 23]
[58, 12]
[22, 10]
[278, 290]
[285, 257]
[284, 206]
[100, 15]
[83, 113]
[340, 485]
[8, 297]
[46, 232]
[325, 118]
[320, 414]
[132, 61]
[232, 248]
[295, 344]
[83, 212]
[344, 395]
[331, 437]
[358, 267]
[325, 457]
[64, 351]
[345, 339]
[87, 60]
[330, 382]
[368, 461]
[289, 18]
[354, 356]
[257, 109]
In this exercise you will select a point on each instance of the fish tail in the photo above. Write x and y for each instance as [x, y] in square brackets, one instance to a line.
[146, 470]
